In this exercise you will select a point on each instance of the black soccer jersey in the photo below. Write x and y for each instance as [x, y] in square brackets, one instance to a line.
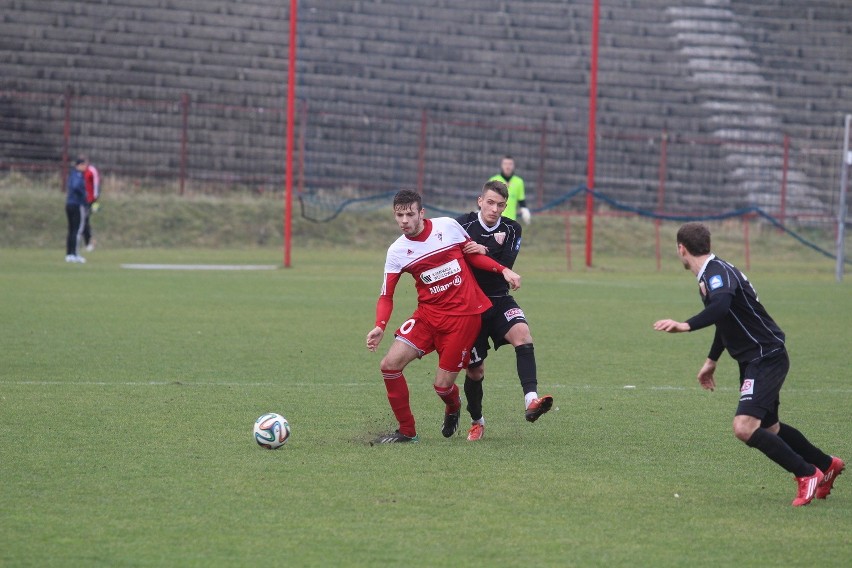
[743, 326]
[503, 242]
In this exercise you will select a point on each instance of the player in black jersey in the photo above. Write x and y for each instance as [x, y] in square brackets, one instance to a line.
[500, 238]
[752, 337]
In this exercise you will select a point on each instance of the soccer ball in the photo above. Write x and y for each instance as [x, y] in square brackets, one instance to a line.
[271, 431]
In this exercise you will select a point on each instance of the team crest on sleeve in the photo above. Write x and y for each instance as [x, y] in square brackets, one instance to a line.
[500, 238]
[715, 282]
[518, 245]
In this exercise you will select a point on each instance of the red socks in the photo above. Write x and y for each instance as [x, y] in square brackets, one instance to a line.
[450, 396]
[398, 398]
[397, 389]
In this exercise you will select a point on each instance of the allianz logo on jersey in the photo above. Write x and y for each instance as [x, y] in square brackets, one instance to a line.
[441, 287]
[440, 272]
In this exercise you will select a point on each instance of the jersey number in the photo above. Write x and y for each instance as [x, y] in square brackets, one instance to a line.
[407, 326]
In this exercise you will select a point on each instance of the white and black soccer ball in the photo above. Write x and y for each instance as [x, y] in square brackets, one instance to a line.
[271, 431]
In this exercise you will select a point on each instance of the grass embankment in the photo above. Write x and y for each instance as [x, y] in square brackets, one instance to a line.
[33, 217]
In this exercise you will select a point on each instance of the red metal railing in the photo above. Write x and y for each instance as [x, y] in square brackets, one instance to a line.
[358, 152]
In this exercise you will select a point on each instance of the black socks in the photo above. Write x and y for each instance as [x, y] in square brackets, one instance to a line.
[778, 451]
[525, 355]
[473, 394]
[799, 444]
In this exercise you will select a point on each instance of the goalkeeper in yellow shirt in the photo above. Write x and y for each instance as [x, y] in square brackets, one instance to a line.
[516, 203]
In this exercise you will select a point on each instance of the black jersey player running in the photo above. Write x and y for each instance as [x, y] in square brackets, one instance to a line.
[752, 337]
[500, 238]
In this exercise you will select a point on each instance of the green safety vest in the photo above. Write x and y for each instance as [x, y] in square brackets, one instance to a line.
[516, 193]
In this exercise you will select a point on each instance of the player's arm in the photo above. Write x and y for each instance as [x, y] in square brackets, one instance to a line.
[90, 186]
[484, 262]
[526, 216]
[671, 326]
[715, 310]
[717, 348]
[384, 309]
[705, 374]
[470, 246]
[718, 307]
[473, 247]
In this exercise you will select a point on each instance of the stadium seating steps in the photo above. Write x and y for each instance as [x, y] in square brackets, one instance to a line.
[662, 67]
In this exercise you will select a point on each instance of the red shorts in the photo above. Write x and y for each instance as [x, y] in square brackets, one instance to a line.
[451, 336]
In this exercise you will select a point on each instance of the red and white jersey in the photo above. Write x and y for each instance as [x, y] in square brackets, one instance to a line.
[93, 184]
[444, 281]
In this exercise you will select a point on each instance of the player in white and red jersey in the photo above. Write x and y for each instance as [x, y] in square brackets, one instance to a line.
[447, 317]
[93, 191]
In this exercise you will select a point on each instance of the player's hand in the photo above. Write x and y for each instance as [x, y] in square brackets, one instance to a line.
[374, 338]
[512, 277]
[473, 247]
[95, 207]
[671, 326]
[526, 216]
[705, 375]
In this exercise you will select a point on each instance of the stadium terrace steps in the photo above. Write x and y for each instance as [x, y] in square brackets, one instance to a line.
[661, 67]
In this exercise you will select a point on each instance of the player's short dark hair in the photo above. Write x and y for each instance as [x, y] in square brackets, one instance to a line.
[405, 198]
[497, 187]
[695, 237]
[508, 157]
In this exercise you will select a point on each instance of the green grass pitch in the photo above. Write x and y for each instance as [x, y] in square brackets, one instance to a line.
[127, 400]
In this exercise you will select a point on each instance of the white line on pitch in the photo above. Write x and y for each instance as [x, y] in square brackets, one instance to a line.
[176, 384]
[200, 266]
[370, 384]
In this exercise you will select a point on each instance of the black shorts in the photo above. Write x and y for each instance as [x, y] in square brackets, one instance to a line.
[760, 387]
[496, 323]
